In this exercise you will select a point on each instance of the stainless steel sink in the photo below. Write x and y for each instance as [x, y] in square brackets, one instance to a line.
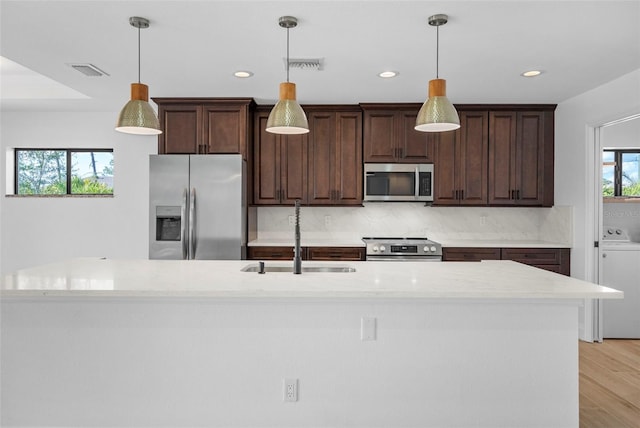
[317, 269]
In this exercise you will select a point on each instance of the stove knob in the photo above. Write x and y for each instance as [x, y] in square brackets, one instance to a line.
[425, 249]
[618, 232]
[382, 248]
[375, 248]
[610, 231]
[433, 248]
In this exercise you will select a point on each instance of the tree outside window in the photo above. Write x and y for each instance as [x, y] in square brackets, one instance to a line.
[64, 172]
[621, 173]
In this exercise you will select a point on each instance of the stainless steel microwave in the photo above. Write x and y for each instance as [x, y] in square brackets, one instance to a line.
[398, 182]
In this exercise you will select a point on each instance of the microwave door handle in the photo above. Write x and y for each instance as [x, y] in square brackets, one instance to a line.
[184, 238]
[192, 225]
[417, 191]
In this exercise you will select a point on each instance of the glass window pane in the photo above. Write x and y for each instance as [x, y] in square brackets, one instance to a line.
[608, 173]
[41, 172]
[630, 172]
[91, 173]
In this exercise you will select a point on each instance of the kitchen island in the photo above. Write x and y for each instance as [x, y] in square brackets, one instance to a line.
[94, 342]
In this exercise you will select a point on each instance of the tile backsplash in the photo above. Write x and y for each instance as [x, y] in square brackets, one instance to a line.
[414, 219]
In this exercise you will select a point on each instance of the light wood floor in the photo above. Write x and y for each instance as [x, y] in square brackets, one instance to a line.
[610, 384]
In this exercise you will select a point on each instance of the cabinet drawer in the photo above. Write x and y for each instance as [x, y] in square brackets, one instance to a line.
[462, 254]
[533, 256]
[271, 253]
[336, 253]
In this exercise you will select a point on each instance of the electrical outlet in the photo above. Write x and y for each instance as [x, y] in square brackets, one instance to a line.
[327, 221]
[290, 390]
[367, 329]
[292, 220]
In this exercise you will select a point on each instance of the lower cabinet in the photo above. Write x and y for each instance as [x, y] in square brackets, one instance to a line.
[463, 254]
[271, 253]
[308, 253]
[336, 253]
[552, 259]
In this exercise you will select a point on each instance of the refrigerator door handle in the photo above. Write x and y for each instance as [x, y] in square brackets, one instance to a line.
[183, 218]
[192, 224]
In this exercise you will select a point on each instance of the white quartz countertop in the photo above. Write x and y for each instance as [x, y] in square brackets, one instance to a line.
[489, 243]
[357, 242]
[308, 242]
[93, 277]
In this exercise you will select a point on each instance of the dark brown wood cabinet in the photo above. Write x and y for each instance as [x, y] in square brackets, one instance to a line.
[552, 259]
[502, 155]
[307, 253]
[469, 254]
[336, 253]
[389, 134]
[323, 167]
[461, 162]
[335, 157]
[270, 253]
[521, 158]
[205, 125]
[280, 165]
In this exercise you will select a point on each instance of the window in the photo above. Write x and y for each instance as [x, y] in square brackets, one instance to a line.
[63, 171]
[620, 173]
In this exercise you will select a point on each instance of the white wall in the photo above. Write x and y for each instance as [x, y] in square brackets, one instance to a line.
[39, 230]
[575, 121]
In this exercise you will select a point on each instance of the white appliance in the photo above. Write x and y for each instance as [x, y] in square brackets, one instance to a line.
[197, 207]
[620, 269]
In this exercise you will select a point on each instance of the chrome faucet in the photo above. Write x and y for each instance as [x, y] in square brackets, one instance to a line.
[297, 258]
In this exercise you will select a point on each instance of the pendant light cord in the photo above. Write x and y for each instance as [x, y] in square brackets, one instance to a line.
[138, 54]
[287, 54]
[437, 50]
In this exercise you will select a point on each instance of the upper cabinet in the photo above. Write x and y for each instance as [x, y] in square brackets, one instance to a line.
[461, 162]
[521, 150]
[502, 155]
[335, 156]
[205, 125]
[323, 167]
[389, 134]
[280, 165]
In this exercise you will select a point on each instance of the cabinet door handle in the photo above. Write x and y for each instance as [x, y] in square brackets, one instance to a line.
[518, 194]
[462, 194]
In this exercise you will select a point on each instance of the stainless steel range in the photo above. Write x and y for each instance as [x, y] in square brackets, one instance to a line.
[403, 249]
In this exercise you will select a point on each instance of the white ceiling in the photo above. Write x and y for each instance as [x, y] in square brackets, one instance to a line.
[192, 49]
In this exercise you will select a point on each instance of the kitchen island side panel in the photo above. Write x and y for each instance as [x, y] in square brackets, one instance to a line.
[121, 362]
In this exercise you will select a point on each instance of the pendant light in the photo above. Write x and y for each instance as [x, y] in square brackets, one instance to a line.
[287, 117]
[137, 116]
[437, 113]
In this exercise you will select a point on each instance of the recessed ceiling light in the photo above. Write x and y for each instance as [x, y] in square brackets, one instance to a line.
[242, 74]
[388, 74]
[531, 73]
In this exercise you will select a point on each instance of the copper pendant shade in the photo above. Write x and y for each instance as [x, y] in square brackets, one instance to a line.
[287, 117]
[437, 113]
[137, 116]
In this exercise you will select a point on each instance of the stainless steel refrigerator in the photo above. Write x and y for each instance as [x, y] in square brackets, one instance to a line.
[197, 207]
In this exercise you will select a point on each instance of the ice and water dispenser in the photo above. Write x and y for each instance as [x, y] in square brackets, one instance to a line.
[168, 223]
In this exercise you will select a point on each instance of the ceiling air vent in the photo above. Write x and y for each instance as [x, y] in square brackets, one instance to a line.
[89, 70]
[305, 63]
